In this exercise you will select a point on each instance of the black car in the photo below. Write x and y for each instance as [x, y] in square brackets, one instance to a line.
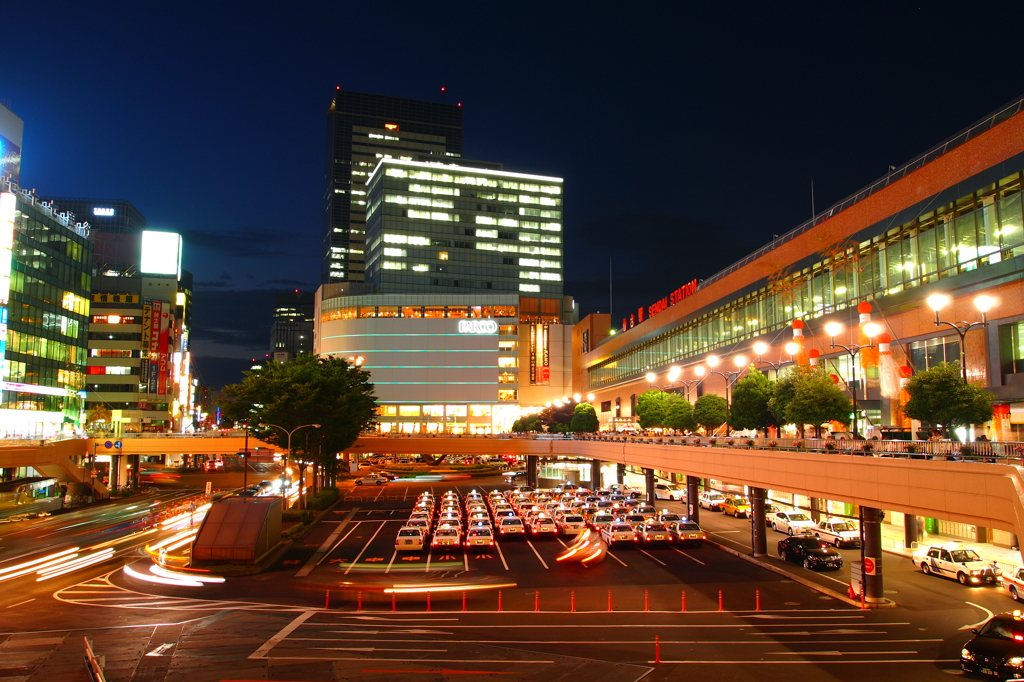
[811, 551]
[997, 648]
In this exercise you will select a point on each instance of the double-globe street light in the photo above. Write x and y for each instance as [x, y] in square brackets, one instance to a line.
[290, 453]
[791, 348]
[983, 303]
[730, 376]
[871, 330]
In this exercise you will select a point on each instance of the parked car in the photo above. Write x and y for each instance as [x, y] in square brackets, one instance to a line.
[957, 562]
[997, 648]
[666, 491]
[711, 501]
[810, 551]
[686, 533]
[737, 507]
[618, 533]
[792, 522]
[839, 532]
[409, 538]
[372, 479]
[654, 532]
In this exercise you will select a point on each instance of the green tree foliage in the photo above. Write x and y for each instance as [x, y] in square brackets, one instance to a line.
[710, 411]
[785, 390]
[557, 417]
[526, 424]
[306, 390]
[941, 396]
[678, 413]
[751, 396]
[584, 419]
[650, 409]
[816, 399]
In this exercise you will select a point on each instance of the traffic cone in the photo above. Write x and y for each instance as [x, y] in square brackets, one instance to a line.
[849, 591]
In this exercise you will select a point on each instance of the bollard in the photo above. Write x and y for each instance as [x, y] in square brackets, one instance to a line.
[657, 649]
[572, 601]
[536, 600]
[647, 601]
[609, 600]
[394, 603]
[428, 601]
[359, 601]
[720, 601]
[862, 604]
[327, 600]
[757, 600]
[683, 610]
[463, 601]
[499, 601]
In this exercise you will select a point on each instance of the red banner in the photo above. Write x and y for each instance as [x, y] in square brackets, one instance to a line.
[164, 364]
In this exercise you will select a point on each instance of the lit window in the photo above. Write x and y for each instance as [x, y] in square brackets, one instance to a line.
[440, 216]
[420, 215]
[529, 262]
[550, 239]
[530, 288]
[508, 222]
[398, 253]
[395, 239]
[551, 276]
[420, 268]
[552, 227]
[551, 189]
[547, 201]
[526, 274]
[420, 241]
[389, 265]
[504, 361]
[550, 264]
[442, 255]
[490, 234]
[484, 220]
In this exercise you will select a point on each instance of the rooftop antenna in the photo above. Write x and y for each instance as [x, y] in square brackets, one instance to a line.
[611, 318]
[812, 200]
[443, 91]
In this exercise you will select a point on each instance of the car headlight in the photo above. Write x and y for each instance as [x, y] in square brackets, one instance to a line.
[1015, 662]
[966, 654]
[975, 572]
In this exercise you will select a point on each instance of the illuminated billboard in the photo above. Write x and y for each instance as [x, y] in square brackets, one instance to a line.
[161, 253]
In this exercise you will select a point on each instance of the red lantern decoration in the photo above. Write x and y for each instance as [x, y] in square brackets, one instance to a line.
[906, 372]
[835, 379]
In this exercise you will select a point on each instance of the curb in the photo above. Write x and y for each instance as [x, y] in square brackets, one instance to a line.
[887, 604]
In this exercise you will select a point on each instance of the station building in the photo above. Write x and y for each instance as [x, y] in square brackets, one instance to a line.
[949, 222]
[461, 320]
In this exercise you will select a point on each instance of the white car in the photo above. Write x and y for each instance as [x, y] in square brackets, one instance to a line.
[663, 491]
[618, 533]
[511, 525]
[957, 562]
[792, 522]
[571, 524]
[711, 501]
[479, 537]
[372, 479]
[839, 532]
[409, 538]
[447, 536]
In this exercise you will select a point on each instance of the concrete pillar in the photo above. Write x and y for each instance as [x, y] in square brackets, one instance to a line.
[981, 534]
[595, 474]
[758, 536]
[912, 527]
[620, 473]
[531, 469]
[871, 553]
[692, 493]
[815, 509]
[649, 476]
[115, 472]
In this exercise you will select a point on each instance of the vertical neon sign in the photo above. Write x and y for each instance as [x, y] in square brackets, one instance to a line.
[8, 207]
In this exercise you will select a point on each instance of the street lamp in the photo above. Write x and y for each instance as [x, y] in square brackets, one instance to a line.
[983, 303]
[699, 371]
[871, 330]
[730, 377]
[315, 426]
[791, 348]
[674, 373]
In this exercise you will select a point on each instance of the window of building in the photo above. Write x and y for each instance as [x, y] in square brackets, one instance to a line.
[508, 394]
[931, 352]
[408, 410]
[1011, 348]
[606, 406]
[433, 410]
[479, 410]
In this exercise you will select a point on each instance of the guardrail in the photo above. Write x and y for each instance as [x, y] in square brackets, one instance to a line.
[93, 663]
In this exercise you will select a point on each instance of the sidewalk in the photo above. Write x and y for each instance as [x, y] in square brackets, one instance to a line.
[893, 542]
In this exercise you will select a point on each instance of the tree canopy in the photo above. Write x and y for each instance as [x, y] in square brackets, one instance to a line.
[306, 390]
[584, 419]
[941, 396]
[558, 417]
[650, 409]
[678, 413]
[751, 396]
[528, 423]
[816, 399]
[710, 411]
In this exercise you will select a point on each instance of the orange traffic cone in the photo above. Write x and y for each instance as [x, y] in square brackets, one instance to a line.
[849, 591]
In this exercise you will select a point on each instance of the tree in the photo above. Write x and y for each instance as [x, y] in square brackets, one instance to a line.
[678, 413]
[306, 390]
[710, 411]
[559, 414]
[650, 409]
[817, 399]
[751, 396]
[99, 414]
[785, 390]
[527, 424]
[584, 420]
[941, 396]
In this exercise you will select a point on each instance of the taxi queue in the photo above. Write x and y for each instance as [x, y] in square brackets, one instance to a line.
[482, 518]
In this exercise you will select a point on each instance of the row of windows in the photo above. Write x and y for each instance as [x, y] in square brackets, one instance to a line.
[974, 231]
[43, 372]
[476, 181]
[111, 369]
[29, 344]
[57, 296]
[40, 403]
[31, 316]
[121, 319]
[438, 311]
[57, 238]
[113, 353]
[114, 388]
[154, 407]
[115, 336]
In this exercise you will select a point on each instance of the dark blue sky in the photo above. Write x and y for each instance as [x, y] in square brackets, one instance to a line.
[686, 136]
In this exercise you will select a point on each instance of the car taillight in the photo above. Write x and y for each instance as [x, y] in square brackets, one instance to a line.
[704, 536]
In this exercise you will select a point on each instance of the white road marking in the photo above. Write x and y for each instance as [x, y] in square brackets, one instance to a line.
[388, 570]
[20, 603]
[355, 524]
[980, 622]
[537, 553]
[497, 546]
[159, 651]
[763, 662]
[689, 557]
[358, 556]
[380, 493]
[609, 553]
[323, 549]
[837, 653]
[285, 631]
[412, 660]
[651, 556]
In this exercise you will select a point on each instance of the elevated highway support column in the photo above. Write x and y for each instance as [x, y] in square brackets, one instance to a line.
[692, 493]
[531, 470]
[620, 473]
[758, 536]
[649, 481]
[595, 474]
[871, 553]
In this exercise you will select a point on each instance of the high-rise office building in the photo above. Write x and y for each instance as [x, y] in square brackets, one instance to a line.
[362, 129]
[11, 129]
[292, 331]
[116, 228]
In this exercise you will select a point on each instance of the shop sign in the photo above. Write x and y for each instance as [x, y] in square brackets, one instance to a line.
[642, 313]
[478, 327]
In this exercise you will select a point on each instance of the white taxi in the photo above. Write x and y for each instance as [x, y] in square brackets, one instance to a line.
[409, 539]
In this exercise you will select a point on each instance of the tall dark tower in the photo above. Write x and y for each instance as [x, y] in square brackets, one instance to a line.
[362, 129]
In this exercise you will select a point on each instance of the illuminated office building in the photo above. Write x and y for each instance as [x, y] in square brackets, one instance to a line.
[462, 321]
[292, 331]
[11, 129]
[362, 129]
[115, 230]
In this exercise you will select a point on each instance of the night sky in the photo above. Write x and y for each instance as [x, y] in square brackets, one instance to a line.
[687, 136]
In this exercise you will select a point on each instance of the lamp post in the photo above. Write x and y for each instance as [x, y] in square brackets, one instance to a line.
[315, 426]
[983, 303]
[791, 349]
[245, 458]
[730, 377]
[673, 375]
[699, 371]
[871, 330]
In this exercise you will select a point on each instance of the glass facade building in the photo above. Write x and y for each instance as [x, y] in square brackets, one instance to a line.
[362, 129]
[45, 279]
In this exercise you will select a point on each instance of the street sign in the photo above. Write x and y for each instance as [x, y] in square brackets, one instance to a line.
[209, 487]
[870, 563]
[108, 445]
[117, 445]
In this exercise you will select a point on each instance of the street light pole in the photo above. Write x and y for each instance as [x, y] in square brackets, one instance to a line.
[730, 377]
[983, 303]
[315, 426]
[791, 349]
[871, 330]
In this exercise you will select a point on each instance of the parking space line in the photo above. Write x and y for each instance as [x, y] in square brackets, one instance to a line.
[609, 553]
[689, 557]
[382, 489]
[358, 556]
[497, 546]
[430, 551]
[388, 570]
[537, 553]
[651, 556]
[355, 524]
[465, 559]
